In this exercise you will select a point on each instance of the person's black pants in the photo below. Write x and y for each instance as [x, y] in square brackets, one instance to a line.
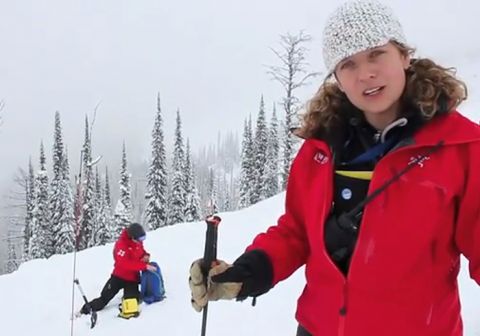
[111, 288]
[302, 332]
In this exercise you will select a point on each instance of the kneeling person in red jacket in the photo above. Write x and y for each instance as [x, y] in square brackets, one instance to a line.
[130, 258]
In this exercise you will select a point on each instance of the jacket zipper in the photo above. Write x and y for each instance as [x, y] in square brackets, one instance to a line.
[344, 308]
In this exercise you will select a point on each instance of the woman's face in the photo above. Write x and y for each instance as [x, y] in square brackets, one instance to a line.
[373, 80]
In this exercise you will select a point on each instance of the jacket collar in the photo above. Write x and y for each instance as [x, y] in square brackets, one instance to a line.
[451, 127]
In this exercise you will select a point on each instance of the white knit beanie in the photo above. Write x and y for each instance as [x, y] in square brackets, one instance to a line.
[357, 26]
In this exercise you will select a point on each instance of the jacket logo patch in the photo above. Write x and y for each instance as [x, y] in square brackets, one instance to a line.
[321, 158]
[419, 159]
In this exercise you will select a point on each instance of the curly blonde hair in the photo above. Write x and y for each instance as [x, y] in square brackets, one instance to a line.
[426, 82]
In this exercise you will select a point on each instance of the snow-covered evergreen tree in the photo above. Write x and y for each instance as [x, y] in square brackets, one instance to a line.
[61, 197]
[107, 232]
[247, 178]
[97, 216]
[287, 149]
[41, 241]
[192, 206]
[30, 205]
[124, 208]
[104, 230]
[224, 158]
[108, 195]
[222, 192]
[271, 185]
[87, 218]
[109, 210]
[156, 195]
[12, 260]
[231, 201]
[98, 185]
[212, 193]
[260, 158]
[65, 241]
[178, 193]
[55, 201]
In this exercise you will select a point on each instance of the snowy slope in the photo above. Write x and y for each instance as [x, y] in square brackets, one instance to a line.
[36, 300]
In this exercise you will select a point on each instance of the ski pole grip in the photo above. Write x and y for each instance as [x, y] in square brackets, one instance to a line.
[210, 253]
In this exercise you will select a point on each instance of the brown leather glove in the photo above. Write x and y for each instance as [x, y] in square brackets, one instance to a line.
[201, 294]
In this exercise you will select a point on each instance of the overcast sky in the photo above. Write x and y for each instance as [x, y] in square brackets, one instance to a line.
[205, 57]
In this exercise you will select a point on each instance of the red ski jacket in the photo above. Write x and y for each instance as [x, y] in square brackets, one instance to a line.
[128, 256]
[403, 272]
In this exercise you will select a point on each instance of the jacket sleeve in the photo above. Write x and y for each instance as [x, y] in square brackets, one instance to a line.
[467, 235]
[286, 244]
[124, 259]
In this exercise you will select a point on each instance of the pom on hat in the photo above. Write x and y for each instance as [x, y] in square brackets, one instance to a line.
[357, 26]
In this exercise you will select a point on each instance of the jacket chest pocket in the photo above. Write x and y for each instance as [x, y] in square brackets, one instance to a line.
[417, 209]
[408, 222]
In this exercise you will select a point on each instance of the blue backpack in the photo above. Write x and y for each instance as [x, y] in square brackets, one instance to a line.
[152, 288]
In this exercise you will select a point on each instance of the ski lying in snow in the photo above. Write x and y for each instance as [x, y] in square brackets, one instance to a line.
[93, 314]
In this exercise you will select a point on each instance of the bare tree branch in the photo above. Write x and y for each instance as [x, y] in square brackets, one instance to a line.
[304, 82]
[94, 116]
[291, 74]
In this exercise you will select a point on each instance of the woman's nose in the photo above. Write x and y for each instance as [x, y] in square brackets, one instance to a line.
[366, 72]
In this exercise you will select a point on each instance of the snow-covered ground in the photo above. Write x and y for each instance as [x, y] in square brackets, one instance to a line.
[36, 300]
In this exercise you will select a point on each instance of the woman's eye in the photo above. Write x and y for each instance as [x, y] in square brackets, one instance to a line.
[347, 65]
[376, 53]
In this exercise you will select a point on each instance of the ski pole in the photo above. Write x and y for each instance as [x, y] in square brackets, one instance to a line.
[209, 256]
[77, 212]
[93, 314]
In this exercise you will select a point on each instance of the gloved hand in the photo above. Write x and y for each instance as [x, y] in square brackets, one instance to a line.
[201, 293]
[250, 275]
[151, 268]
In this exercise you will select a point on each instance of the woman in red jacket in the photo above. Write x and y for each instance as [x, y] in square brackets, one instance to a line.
[130, 258]
[382, 197]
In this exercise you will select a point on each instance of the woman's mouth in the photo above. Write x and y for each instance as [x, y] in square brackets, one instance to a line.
[373, 91]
